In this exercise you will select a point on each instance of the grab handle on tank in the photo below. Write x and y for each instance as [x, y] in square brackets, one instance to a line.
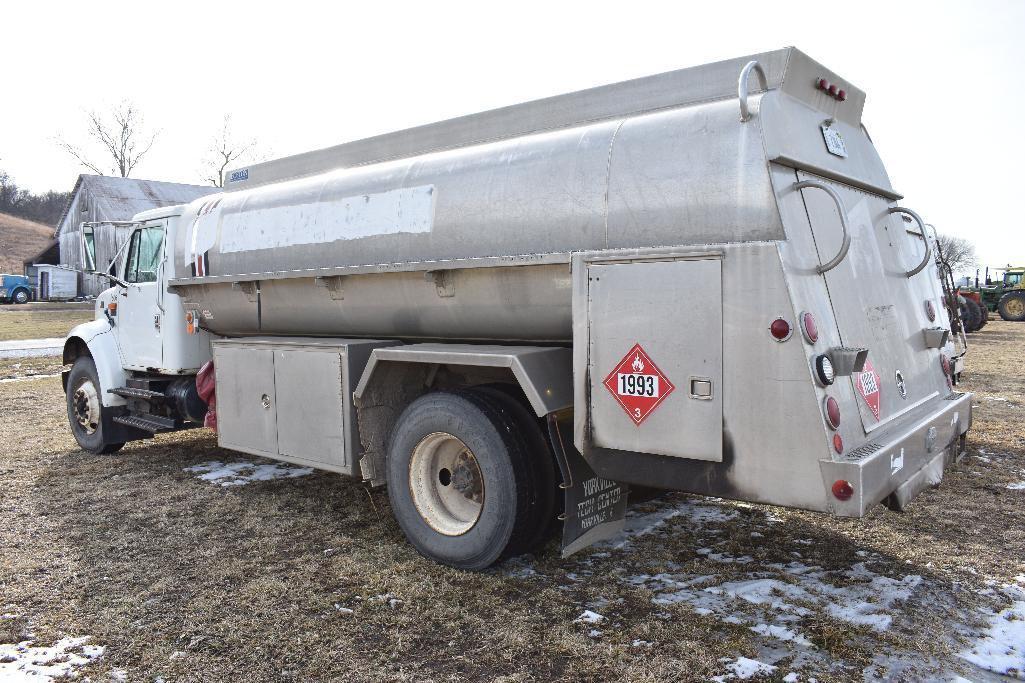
[745, 73]
[842, 254]
[921, 226]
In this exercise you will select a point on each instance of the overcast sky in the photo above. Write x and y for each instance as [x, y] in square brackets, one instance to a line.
[944, 79]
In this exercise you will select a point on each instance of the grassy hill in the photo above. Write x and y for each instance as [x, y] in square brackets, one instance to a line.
[20, 239]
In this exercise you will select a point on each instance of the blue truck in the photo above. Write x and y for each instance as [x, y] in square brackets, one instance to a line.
[15, 289]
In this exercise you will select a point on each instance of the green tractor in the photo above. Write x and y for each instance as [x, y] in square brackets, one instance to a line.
[1005, 296]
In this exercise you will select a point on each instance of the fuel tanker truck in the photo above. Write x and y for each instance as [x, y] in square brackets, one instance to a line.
[700, 281]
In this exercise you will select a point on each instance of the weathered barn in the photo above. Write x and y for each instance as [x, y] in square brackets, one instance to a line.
[108, 202]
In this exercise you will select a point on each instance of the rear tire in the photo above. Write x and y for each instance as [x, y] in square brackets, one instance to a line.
[459, 479]
[85, 408]
[543, 487]
[1012, 307]
[971, 315]
[21, 297]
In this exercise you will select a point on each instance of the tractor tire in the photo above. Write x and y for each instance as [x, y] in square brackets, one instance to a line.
[1012, 306]
[971, 315]
[21, 297]
[459, 479]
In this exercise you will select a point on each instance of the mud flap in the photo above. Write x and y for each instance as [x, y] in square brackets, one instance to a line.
[594, 507]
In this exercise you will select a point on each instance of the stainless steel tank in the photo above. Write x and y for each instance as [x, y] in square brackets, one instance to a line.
[464, 229]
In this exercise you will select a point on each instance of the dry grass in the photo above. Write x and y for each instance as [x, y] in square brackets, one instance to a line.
[39, 323]
[190, 581]
[19, 240]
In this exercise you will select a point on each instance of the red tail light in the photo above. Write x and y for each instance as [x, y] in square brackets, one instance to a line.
[780, 329]
[930, 311]
[809, 328]
[838, 443]
[843, 490]
[832, 411]
[945, 365]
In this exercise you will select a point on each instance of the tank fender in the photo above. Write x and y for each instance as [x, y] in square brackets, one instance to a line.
[395, 375]
[94, 338]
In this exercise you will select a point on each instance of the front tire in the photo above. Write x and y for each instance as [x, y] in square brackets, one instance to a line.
[21, 297]
[459, 479]
[85, 408]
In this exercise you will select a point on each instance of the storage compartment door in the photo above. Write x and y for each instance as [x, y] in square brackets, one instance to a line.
[310, 406]
[655, 357]
[245, 400]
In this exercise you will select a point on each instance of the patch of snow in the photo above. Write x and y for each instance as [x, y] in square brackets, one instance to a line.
[21, 662]
[791, 677]
[637, 524]
[857, 595]
[1017, 486]
[589, 617]
[781, 633]
[1002, 648]
[245, 472]
[27, 378]
[743, 668]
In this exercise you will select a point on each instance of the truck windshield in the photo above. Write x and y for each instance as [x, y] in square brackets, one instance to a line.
[144, 253]
[1012, 279]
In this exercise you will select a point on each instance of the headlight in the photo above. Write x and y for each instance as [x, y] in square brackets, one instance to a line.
[3, 292]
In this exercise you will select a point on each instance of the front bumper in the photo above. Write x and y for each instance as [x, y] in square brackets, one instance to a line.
[896, 466]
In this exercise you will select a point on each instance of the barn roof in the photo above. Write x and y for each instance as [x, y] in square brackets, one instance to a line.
[118, 199]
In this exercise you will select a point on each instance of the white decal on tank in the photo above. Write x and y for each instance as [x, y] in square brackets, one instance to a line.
[402, 210]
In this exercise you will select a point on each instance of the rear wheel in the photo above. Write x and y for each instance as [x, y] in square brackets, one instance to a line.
[459, 479]
[85, 408]
[543, 487]
[971, 315]
[21, 297]
[1012, 306]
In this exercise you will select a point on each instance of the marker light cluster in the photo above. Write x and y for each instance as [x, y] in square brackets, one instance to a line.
[832, 89]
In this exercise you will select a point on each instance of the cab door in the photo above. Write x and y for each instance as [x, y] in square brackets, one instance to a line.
[139, 316]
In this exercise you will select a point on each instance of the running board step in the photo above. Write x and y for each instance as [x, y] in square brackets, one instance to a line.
[133, 392]
[150, 423]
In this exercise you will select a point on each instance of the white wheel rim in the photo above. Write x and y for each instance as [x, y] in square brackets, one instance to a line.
[86, 406]
[446, 484]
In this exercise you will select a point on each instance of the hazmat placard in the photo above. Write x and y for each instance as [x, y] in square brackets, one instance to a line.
[638, 385]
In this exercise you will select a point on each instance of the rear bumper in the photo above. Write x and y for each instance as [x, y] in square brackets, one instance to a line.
[897, 466]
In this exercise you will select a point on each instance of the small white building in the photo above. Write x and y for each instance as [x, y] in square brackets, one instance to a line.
[110, 201]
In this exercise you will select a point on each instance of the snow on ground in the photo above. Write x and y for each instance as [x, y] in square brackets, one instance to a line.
[31, 348]
[22, 662]
[743, 668]
[1002, 648]
[638, 524]
[245, 472]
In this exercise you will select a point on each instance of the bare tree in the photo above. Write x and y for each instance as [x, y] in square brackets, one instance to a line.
[956, 252]
[121, 135]
[225, 149]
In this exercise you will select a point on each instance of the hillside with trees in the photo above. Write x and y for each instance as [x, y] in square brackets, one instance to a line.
[20, 239]
[43, 208]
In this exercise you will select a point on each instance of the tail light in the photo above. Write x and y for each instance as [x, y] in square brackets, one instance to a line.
[190, 322]
[780, 330]
[808, 327]
[838, 444]
[945, 365]
[843, 490]
[930, 311]
[831, 409]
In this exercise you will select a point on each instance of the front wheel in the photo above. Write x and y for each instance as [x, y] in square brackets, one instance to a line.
[85, 408]
[21, 297]
[459, 480]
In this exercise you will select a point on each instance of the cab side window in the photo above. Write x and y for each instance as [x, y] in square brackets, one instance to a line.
[144, 252]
